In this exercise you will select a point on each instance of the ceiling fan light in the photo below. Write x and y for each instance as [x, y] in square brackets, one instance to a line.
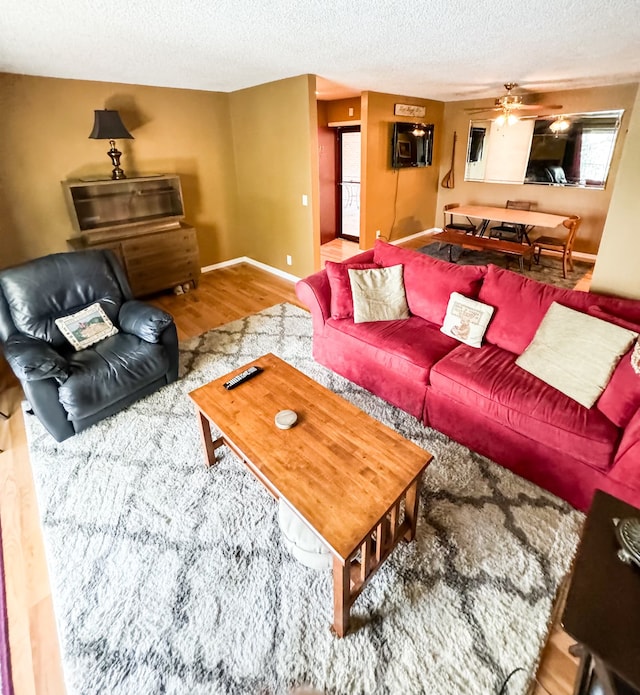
[512, 118]
[559, 125]
[501, 119]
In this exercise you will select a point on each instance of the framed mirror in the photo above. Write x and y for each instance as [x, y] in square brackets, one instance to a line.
[573, 150]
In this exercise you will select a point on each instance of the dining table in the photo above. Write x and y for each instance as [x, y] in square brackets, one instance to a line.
[525, 219]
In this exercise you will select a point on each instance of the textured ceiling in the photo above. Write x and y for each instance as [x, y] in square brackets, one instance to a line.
[437, 49]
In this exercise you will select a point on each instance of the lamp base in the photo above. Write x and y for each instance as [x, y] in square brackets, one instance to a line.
[115, 155]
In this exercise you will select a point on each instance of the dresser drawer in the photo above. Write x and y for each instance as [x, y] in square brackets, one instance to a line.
[148, 284]
[161, 245]
[155, 260]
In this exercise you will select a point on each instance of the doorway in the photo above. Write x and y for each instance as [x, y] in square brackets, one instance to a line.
[348, 183]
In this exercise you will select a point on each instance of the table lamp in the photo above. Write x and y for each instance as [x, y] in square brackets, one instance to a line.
[109, 126]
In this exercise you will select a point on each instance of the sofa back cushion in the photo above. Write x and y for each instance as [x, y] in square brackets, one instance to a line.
[340, 283]
[429, 282]
[520, 305]
[621, 399]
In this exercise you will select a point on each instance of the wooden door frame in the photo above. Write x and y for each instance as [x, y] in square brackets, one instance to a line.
[339, 131]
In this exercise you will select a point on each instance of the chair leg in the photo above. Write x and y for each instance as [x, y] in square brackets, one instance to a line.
[564, 265]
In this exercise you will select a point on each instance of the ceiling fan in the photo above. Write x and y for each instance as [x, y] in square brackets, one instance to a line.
[510, 106]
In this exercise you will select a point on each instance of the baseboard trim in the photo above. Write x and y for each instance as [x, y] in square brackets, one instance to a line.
[257, 264]
[433, 230]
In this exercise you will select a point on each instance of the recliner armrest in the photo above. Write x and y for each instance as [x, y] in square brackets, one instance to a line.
[143, 320]
[34, 360]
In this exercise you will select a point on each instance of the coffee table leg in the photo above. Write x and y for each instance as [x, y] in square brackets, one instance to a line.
[208, 444]
[411, 508]
[341, 595]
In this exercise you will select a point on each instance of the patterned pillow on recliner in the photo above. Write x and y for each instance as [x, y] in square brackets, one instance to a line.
[86, 327]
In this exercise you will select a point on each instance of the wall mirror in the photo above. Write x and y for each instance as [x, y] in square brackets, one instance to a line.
[573, 149]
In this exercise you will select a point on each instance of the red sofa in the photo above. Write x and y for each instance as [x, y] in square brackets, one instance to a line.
[480, 397]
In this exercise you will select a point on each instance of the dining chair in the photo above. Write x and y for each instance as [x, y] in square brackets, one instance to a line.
[468, 228]
[559, 245]
[509, 228]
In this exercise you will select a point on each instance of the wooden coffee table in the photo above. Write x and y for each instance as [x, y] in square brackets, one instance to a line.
[353, 480]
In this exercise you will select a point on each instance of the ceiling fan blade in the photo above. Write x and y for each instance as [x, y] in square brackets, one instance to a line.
[539, 106]
[482, 110]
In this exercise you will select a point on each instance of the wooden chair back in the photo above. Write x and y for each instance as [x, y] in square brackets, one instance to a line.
[572, 225]
[450, 206]
[467, 226]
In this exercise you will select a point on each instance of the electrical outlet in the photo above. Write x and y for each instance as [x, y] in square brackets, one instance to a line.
[305, 200]
[289, 261]
[377, 233]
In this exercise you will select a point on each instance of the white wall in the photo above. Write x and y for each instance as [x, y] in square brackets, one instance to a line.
[617, 269]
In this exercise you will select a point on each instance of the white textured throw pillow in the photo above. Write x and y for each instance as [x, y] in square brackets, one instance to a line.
[378, 294]
[466, 319]
[86, 327]
[576, 353]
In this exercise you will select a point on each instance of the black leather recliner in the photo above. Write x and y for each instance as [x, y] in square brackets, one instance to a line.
[71, 390]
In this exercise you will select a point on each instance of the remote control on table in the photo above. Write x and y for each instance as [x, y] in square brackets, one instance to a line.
[242, 377]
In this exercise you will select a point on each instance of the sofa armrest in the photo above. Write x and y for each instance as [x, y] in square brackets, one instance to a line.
[143, 320]
[626, 464]
[315, 292]
[33, 360]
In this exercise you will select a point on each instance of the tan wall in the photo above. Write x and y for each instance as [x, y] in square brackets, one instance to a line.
[338, 110]
[396, 202]
[591, 205]
[45, 124]
[616, 269]
[275, 151]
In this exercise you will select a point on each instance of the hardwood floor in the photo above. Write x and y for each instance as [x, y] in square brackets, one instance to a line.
[223, 295]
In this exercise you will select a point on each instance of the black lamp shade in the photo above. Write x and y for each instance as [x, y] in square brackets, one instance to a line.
[109, 126]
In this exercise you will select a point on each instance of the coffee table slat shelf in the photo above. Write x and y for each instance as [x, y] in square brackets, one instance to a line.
[339, 469]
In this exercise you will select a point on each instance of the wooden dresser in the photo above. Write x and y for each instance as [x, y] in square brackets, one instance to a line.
[141, 221]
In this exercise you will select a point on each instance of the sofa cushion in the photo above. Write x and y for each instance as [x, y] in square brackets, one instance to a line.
[341, 297]
[466, 319]
[600, 313]
[378, 294]
[576, 353]
[109, 371]
[520, 305]
[488, 379]
[429, 282]
[409, 347]
[621, 398]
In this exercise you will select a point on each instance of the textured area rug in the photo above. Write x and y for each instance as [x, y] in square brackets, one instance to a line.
[548, 270]
[168, 577]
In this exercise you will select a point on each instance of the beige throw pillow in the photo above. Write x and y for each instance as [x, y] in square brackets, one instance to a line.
[466, 319]
[86, 327]
[378, 294]
[576, 353]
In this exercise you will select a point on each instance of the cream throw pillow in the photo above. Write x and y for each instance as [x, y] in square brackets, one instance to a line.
[576, 353]
[86, 327]
[466, 319]
[378, 294]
